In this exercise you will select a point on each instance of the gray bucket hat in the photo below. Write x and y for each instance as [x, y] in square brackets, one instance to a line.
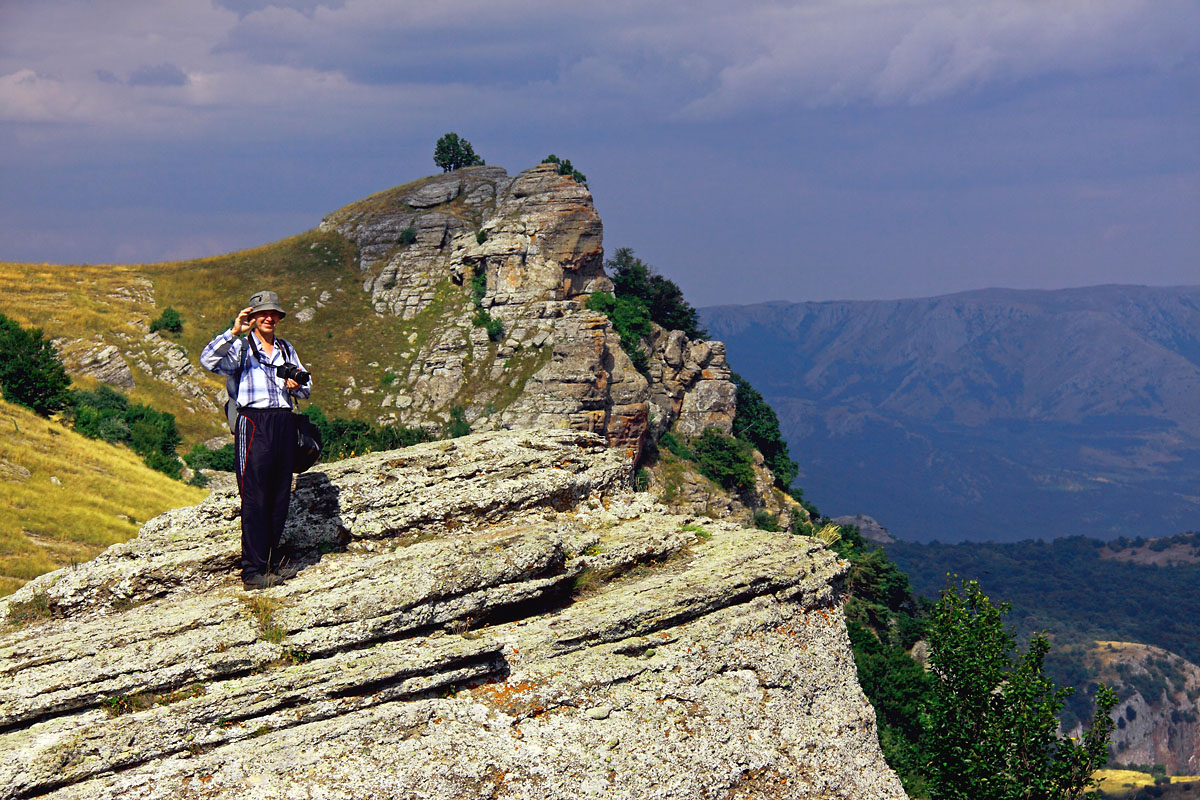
[265, 301]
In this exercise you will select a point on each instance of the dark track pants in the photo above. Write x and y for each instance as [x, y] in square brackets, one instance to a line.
[266, 441]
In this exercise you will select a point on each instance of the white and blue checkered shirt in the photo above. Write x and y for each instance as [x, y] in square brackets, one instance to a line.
[260, 386]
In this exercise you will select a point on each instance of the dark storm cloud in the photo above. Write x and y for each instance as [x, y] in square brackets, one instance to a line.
[798, 149]
[244, 7]
[158, 75]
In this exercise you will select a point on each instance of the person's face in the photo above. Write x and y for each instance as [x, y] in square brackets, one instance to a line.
[266, 320]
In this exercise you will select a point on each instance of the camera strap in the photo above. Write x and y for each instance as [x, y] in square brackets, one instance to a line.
[283, 346]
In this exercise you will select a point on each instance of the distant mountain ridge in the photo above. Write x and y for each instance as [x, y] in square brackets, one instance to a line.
[991, 414]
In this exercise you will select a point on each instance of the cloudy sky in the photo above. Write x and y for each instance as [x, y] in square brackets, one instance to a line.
[751, 150]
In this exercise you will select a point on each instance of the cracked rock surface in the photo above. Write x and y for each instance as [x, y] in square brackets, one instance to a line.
[492, 616]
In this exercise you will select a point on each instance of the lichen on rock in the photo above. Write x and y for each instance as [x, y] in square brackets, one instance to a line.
[494, 616]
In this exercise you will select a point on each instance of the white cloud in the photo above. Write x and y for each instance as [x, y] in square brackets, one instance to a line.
[884, 52]
[171, 65]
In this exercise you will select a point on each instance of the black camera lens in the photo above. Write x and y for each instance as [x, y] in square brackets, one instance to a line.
[293, 373]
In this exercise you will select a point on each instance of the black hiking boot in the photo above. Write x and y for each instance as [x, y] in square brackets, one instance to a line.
[261, 581]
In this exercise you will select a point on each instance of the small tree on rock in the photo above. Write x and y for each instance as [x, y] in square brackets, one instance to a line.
[453, 152]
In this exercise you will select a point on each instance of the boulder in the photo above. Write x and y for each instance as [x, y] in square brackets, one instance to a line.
[496, 616]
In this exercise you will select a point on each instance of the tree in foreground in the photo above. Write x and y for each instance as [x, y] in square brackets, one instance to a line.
[31, 373]
[991, 728]
[453, 152]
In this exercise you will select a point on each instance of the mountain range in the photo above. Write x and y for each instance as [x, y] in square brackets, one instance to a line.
[987, 415]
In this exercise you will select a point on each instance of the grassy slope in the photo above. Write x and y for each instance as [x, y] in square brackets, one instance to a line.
[43, 526]
[106, 493]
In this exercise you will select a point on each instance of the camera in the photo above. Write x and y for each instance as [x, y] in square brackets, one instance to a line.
[293, 373]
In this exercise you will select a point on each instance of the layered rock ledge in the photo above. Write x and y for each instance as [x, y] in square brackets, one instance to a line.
[497, 616]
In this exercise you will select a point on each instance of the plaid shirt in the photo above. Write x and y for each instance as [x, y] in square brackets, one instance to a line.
[259, 387]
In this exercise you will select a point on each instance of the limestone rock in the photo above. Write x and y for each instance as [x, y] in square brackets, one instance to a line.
[492, 616]
[104, 363]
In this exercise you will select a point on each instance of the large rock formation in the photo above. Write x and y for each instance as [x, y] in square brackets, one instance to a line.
[538, 239]
[495, 616]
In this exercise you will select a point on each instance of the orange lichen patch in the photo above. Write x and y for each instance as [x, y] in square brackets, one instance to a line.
[511, 698]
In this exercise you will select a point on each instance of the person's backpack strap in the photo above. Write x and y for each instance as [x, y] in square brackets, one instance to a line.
[231, 388]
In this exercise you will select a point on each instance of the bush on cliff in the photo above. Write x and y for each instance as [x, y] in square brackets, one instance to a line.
[757, 423]
[662, 298]
[169, 321]
[343, 438]
[629, 319]
[565, 167]
[108, 415]
[31, 373]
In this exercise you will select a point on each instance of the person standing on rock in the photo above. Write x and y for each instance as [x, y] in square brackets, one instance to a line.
[262, 375]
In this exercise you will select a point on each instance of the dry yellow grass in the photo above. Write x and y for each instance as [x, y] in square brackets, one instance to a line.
[1120, 782]
[106, 493]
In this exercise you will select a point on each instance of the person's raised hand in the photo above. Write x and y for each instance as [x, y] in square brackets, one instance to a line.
[243, 322]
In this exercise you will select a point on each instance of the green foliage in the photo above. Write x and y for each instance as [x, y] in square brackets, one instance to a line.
[168, 321]
[478, 288]
[31, 373]
[724, 459]
[493, 325]
[1126, 601]
[457, 425]
[408, 236]
[565, 167]
[641, 479]
[757, 423]
[662, 297]
[453, 152]
[766, 521]
[884, 621]
[482, 319]
[343, 438]
[630, 320]
[990, 724]
[200, 457]
[675, 445]
[108, 415]
[481, 237]
[897, 687]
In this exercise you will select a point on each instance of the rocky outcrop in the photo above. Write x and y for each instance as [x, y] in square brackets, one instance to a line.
[539, 242]
[1158, 717]
[101, 361]
[497, 616]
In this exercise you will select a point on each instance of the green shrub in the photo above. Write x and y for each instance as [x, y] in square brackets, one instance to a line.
[662, 297]
[630, 320]
[168, 321]
[675, 445]
[108, 415]
[756, 422]
[457, 425]
[343, 438]
[766, 521]
[408, 236]
[478, 288]
[724, 459]
[480, 237]
[31, 373]
[565, 167]
[493, 325]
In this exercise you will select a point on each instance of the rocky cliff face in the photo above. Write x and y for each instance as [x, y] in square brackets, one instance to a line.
[538, 239]
[493, 616]
[1158, 718]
